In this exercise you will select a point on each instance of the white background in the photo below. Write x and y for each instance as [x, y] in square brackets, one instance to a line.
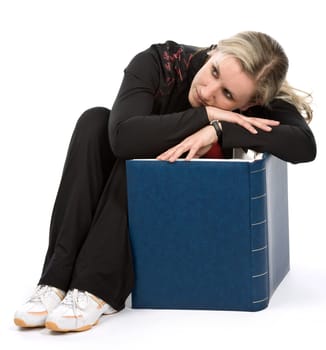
[61, 57]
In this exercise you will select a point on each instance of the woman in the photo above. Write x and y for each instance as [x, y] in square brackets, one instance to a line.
[174, 101]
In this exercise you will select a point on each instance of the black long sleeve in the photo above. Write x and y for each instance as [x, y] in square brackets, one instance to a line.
[291, 141]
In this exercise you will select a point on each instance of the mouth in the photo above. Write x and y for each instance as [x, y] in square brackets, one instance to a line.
[198, 98]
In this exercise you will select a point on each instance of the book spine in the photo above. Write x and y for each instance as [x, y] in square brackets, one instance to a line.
[259, 239]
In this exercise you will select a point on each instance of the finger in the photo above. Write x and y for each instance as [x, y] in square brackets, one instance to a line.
[177, 152]
[273, 122]
[264, 121]
[264, 124]
[162, 156]
[176, 155]
[165, 155]
[247, 125]
[192, 153]
[242, 121]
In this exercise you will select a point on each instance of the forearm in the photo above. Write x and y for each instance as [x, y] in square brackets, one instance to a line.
[146, 136]
[290, 139]
[287, 142]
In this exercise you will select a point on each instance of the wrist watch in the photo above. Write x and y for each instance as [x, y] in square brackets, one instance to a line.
[217, 128]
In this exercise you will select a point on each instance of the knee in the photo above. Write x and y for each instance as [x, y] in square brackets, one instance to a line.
[93, 121]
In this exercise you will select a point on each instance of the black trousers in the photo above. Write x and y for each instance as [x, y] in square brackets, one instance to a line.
[89, 246]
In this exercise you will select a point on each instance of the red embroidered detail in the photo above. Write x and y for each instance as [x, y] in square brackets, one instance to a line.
[174, 61]
[175, 66]
[175, 56]
[187, 63]
[170, 80]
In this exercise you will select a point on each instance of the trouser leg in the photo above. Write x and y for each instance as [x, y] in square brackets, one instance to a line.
[87, 167]
[104, 265]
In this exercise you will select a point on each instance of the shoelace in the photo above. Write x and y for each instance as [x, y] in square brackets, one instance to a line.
[76, 299]
[40, 293]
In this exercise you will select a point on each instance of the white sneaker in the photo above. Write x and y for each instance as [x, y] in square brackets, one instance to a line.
[78, 311]
[35, 311]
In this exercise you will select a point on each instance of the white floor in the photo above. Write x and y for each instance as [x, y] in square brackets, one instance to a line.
[295, 317]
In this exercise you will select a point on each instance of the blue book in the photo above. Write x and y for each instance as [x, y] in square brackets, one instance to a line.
[208, 234]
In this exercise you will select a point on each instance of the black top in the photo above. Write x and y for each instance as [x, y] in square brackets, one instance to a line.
[152, 113]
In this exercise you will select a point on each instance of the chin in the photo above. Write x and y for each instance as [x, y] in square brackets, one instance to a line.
[192, 104]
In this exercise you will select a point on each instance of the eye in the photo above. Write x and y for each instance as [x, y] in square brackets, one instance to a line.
[227, 94]
[215, 72]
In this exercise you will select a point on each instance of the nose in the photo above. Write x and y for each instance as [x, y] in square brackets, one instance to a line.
[209, 92]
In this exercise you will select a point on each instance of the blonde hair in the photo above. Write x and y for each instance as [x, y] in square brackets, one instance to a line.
[264, 59]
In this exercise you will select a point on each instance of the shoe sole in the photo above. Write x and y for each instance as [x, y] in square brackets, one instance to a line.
[21, 323]
[54, 327]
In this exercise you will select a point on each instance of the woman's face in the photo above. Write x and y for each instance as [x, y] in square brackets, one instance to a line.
[221, 83]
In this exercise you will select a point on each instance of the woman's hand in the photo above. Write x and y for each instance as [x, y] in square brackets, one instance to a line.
[196, 145]
[201, 141]
[249, 123]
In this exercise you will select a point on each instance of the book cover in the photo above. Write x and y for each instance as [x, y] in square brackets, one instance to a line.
[201, 234]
